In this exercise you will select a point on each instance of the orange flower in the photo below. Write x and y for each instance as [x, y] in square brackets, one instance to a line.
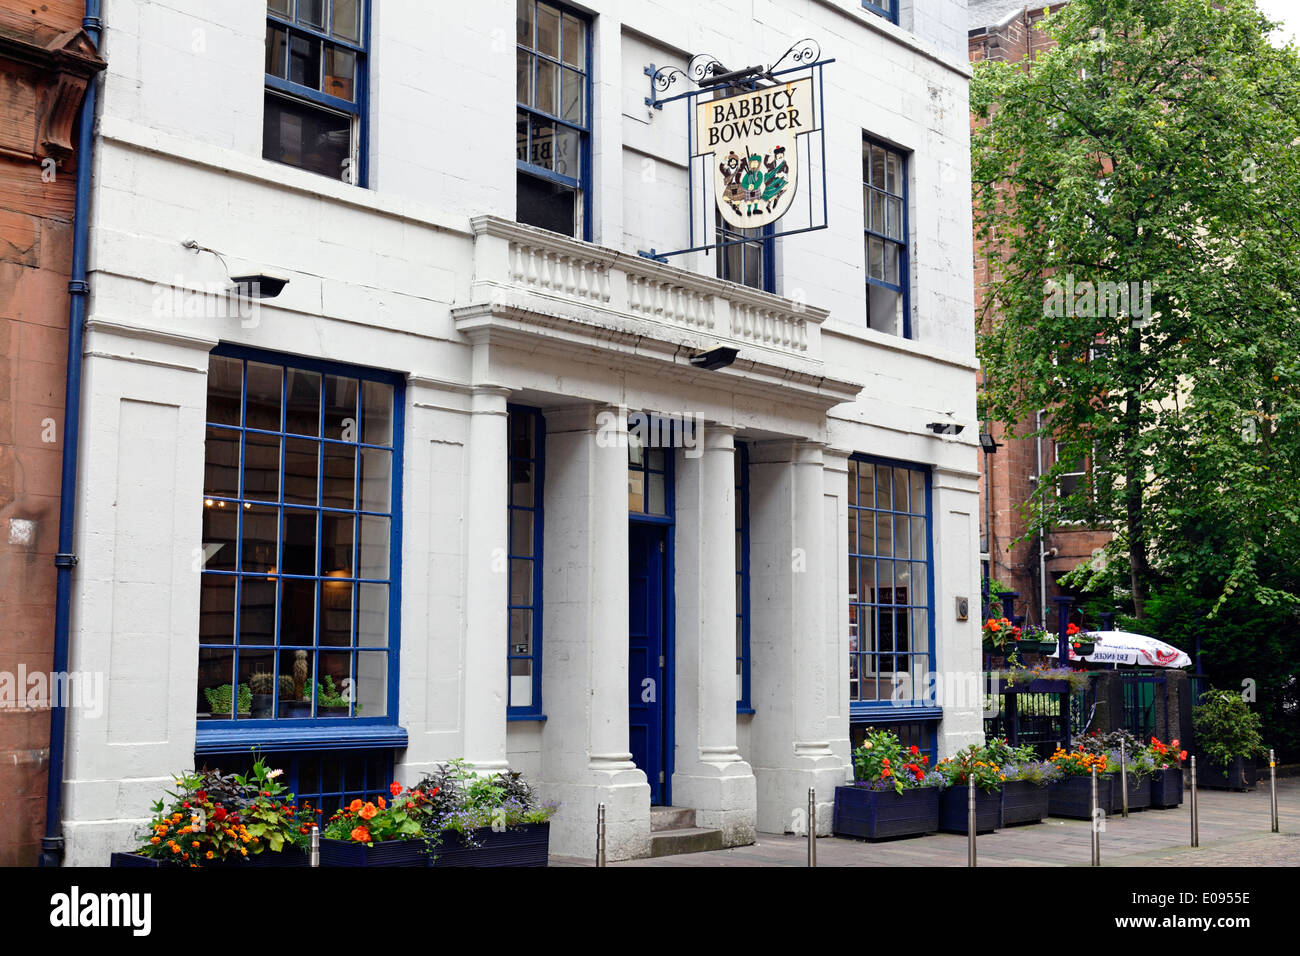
[355, 805]
[360, 835]
[394, 788]
[382, 805]
[368, 812]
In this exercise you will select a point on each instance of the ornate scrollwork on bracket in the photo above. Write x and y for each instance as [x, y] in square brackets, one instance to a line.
[665, 77]
[802, 53]
[702, 66]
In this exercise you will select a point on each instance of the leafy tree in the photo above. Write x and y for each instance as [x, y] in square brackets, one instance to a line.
[1156, 142]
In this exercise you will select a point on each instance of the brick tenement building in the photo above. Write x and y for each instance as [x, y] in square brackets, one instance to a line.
[1003, 30]
[45, 63]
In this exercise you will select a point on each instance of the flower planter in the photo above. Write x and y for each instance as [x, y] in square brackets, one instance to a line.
[1023, 802]
[1167, 788]
[1139, 793]
[391, 853]
[525, 845]
[290, 856]
[880, 814]
[1084, 648]
[1036, 647]
[954, 810]
[1239, 775]
[1072, 797]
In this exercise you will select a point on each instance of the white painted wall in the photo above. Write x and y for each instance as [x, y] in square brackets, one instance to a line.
[374, 275]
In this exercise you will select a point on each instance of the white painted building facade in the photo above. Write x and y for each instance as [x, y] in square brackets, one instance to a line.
[483, 593]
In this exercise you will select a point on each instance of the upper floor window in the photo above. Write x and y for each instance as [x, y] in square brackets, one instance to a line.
[553, 118]
[885, 8]
[315, 86]
[891, 646]
[298, 606]
[524, 655]
[745, 255]
[884, 200]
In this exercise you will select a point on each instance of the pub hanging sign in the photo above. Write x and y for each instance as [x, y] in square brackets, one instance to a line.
[751, 157]
[751, 137]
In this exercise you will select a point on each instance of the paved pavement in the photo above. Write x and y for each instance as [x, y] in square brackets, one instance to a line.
[1234, 831]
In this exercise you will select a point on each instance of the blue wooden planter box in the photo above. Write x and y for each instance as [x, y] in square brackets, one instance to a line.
[524, 845]
[390, 853]
[954, 810]
[290, 856]
[880, 814]
[1072, 797]
[1023, 802]
[1167, 788]
[1139, 793]
[1239, 775]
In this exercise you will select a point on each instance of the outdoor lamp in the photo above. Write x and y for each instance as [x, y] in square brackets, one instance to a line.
[988, 444]
[720, 356]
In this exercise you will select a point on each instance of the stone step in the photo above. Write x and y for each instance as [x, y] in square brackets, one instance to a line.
[685, 840]
[671, 818]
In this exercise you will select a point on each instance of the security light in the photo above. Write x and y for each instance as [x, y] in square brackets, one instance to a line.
[988, 444]
[720, 356]
[945, 428]
[258, 286]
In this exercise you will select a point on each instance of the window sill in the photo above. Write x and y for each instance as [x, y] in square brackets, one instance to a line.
[892, 712]
[513, 717]
[314, 735]
[745, 710]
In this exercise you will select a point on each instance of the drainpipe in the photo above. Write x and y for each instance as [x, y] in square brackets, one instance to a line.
[65, 560]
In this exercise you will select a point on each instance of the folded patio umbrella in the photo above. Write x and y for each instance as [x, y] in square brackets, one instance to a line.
[1121, 647]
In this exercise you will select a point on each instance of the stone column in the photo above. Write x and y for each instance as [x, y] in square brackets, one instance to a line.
[791, 580]
[586, 756]
[709, 774]
[485, 689]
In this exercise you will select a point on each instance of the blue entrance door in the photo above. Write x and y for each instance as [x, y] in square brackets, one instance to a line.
[647, 656]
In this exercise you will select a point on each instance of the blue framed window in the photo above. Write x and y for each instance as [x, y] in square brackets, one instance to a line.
[746, 256]
[885, 227]
[527, 466]
[742, 579]
[316, 86]
[891, 583]
[553, 118]
[300, 583]
[884, 8]
[327, 780]
[650, 442]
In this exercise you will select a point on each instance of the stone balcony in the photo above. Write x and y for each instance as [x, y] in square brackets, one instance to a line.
[530, 283]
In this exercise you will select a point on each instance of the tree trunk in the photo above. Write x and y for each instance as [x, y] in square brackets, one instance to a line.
[1134, 467]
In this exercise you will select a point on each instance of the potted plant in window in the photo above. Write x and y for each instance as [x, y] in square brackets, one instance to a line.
[1071, 795]
[954, 803]
[485, 821]
[891, 795]
[1227, 737]
[330, 701]
[213, 819]
[219, 700]
[1024, 791]
[1167, 780]
[262, 697]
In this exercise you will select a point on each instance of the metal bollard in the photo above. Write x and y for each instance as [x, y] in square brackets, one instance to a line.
[1123, 775]
[970, 820]
[1096, 828]
[315, 845]
[600, 835]
[1272, 786]
[812, 826]
[1196, 836]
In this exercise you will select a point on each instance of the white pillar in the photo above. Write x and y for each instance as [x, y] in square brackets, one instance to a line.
[709, 773]
[790, 583]
[586, 755]
[487, 620]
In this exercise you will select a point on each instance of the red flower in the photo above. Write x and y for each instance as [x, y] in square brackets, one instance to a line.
[219, 813]
[394, 788]
[914, 750]
[925, 759]
[200, 795]
[1182, 755]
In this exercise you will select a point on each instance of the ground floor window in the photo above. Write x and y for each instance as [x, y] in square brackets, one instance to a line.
[325, 779]
[922, 734]
[891, 595]
[298, 615]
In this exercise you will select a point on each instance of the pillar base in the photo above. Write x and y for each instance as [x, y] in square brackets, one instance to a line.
[724, 796]
[626, 796]
[783, 794]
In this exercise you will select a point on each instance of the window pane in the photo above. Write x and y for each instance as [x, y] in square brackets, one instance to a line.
[311, 12]
[217, 697]
[548, 30]
[221, 463]
[225, 382]
[575, 42]
[636, 492]
[263, 401]
[297, 611]
[336, 613]
[261, 532]
[753, 265]
[376, 479]
[521, 682]
[305, 61]
[300, 470]
[917, 479]
[521, 137]
[277, 51]
[891, 263]
[877, 167]
[256, 610]
[295, 699]
[548, 87]
[308, 137]
[894, 218]
[372, 614]
[280, 7]
[657, 504]
[900, 489]
[341, 408]
[338, 487]
[216, 609]
[220, 524]
[299, 551]
[919, 544]
[336, 545]
[893, 179]
[884, 495]
[377, 413]
[345, 19]
[524, 22]
[546, 205]
[372, 550]
[302, 412]
[875, 258]
[371, 684]
[261, 466]
[340, 73]
[876, 221]
[523, 77]
[568, 158]
[571, 96]
[521, 533]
